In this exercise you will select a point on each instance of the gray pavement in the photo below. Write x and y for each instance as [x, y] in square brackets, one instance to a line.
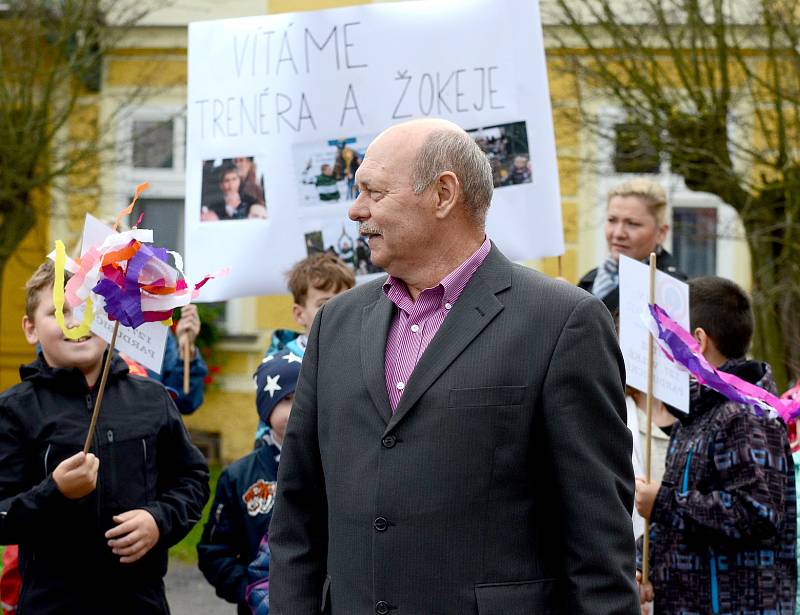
[189, 593]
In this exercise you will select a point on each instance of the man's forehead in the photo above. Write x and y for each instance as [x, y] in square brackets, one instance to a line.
[371, 168]
[388, 152]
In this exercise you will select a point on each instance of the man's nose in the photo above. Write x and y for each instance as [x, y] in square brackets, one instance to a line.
[358, 210]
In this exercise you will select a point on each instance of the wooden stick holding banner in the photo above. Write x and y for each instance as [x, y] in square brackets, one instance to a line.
[186, 347]
[648, 444]
[102, 389]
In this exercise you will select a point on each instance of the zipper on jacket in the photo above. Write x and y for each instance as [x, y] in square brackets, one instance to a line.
[145, 477]
[685, 481]
[714, 584]
[92, 448]
[217, 515]
[46, 455]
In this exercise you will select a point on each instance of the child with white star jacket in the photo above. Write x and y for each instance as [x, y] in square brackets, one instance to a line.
[242, 507]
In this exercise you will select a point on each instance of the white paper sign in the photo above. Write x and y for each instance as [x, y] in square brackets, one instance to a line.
[147, 342]
[670, 381]
[290, 102]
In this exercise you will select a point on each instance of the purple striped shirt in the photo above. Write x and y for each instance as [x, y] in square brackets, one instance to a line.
[415, 323]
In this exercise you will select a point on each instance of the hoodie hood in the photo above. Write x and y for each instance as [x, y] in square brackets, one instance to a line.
[703, 399]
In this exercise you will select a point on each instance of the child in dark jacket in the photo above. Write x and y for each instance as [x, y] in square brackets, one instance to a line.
[93, 530]
[723, 520]
[242, 506]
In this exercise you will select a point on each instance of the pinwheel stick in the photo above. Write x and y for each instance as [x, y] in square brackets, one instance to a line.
[186, 346]
[101, 390]
[648, 443]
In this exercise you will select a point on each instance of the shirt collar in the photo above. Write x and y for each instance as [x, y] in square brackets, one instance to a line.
[451, 286]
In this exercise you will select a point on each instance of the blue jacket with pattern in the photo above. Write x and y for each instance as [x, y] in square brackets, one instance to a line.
[723, 526]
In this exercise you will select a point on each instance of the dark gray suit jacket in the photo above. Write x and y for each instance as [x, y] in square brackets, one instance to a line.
[501, 486]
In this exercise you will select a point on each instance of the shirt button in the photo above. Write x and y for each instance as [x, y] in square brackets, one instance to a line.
[447, 306]
[381, 607]
[401, 386]
[415, 328]
[389, 441]
[380, 524]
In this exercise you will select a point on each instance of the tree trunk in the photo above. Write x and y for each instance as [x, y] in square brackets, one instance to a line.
[776, 308]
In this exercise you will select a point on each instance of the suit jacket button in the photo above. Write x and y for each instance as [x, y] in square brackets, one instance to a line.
[381, 608]
[380, 524]
[389, 441]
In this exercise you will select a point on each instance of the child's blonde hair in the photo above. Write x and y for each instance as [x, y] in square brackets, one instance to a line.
[323, 271]
[42, 279]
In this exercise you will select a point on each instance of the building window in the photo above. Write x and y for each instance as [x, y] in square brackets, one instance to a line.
[694, 240]
[634, 150]
[153, 144]
[165, 217]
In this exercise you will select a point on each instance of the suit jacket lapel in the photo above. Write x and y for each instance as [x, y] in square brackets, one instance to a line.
[475, 309]
[375, 321]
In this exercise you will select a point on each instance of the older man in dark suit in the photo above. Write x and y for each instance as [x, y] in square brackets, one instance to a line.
[457, 443]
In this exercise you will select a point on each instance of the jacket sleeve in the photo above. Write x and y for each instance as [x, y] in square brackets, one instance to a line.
[749, 457]
[298, 530]
[588, 448]
[182, 480]
[22, 510]
[221, 547]
[258, 579]
[171, 376]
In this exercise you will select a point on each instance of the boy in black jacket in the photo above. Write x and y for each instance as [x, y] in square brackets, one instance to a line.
[93, 529]
[723, 520]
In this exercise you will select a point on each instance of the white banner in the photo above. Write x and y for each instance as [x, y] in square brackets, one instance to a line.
[670, 380]
[281, 109]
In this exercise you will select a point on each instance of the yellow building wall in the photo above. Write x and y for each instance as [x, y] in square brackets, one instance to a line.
[287, 6]
[14, 350]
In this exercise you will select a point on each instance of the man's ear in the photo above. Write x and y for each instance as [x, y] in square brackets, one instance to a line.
[299, 315]
[30, 330]
[447, 189]
[702, 338]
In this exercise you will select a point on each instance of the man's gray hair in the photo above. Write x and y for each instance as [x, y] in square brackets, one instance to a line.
[455, 151]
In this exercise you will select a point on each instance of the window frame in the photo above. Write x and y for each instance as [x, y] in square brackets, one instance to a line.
[165, 183]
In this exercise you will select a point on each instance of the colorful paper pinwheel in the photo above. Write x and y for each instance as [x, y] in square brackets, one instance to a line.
[125, 280]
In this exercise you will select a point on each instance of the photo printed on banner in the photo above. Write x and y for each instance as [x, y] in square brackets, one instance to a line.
[506, 146]
[326, 170]
[233, 189]
[340, 237]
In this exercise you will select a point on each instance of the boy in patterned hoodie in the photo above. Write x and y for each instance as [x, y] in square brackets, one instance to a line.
[723, 521]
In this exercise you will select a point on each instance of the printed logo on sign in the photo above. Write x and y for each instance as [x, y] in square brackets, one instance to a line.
[260, 497]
